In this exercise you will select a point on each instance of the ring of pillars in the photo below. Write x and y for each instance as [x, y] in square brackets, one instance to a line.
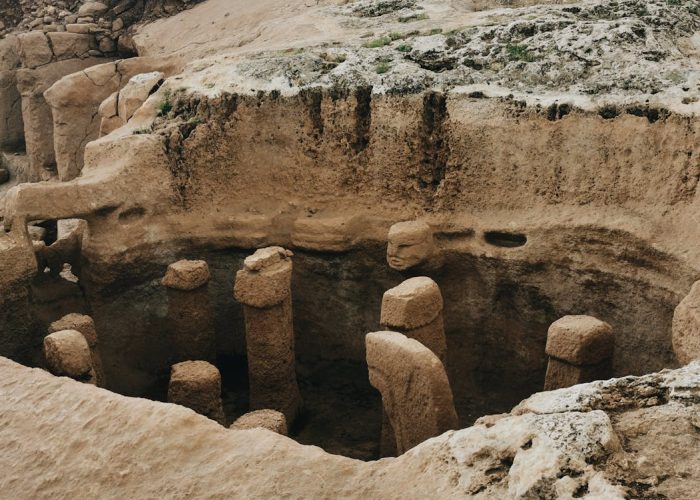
[406, 362]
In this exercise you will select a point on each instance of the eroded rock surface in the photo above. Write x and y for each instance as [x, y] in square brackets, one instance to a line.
[614, 442]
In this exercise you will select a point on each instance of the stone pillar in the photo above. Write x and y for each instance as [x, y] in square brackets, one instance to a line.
[266, 419]
[580, 349]
[413, 308]
[415, 391]
[263, 285]
[85, 325]
[686, 327]
[197, 385]
[190, 317]
[67, 355]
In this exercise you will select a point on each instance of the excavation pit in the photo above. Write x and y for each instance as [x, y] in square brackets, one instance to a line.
[497, 310]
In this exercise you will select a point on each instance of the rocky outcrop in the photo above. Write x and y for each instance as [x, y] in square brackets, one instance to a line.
[608, 440]
[76, 98]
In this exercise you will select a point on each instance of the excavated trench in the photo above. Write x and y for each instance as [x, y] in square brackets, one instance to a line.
[283, 161]
[498, 307]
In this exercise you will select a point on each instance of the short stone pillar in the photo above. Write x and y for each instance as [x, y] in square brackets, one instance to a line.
[263, 285]
[190, 318]
[580, 349]
[67, 355]
[197, 385]
[416, 393]
[271, 420]
[85, 325]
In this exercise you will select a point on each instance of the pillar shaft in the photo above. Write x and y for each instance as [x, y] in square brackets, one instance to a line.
[264, 288]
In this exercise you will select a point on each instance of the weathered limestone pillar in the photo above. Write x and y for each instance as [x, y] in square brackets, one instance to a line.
[85, 325]
[415, 391]
[197, 385]
[580, 349]
[686, 327]
[413, 308]
[267, 419]
[190, 316]
[263, 285]
[67, 354]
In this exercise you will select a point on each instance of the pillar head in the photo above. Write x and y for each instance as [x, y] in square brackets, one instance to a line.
[414, 303]
[410, 244]
[199, 375]
[67, 353]
[80, 322]
[265, 279]
[580, 340]
[186, 275]
[272, 420]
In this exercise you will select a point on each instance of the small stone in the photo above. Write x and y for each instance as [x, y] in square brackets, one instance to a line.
[118, 24]
[92, 9]
[82, 29]
[186, 275]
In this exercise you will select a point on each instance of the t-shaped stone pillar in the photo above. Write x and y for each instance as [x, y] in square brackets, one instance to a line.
[197, 385]
[580, 349]
[67, 354]
[413, 308]
[190, 317]
[271, 420]
[415, 391]
[263, 285]
[85, 325]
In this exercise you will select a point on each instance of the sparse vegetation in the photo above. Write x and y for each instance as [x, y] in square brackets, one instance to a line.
[166, 105]
[413, 17]
[519, 53]
[382, 67]
[378, 42]
[404, 48]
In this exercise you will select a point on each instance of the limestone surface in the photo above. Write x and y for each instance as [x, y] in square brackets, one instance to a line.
[552, 447]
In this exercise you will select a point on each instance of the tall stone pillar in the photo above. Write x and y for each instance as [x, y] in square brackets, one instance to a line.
[67, 355]
[580, 349]
[263, 285]
[415, 391]
[190, 317]
[413, 308]
[197, 385]
[85, 325]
